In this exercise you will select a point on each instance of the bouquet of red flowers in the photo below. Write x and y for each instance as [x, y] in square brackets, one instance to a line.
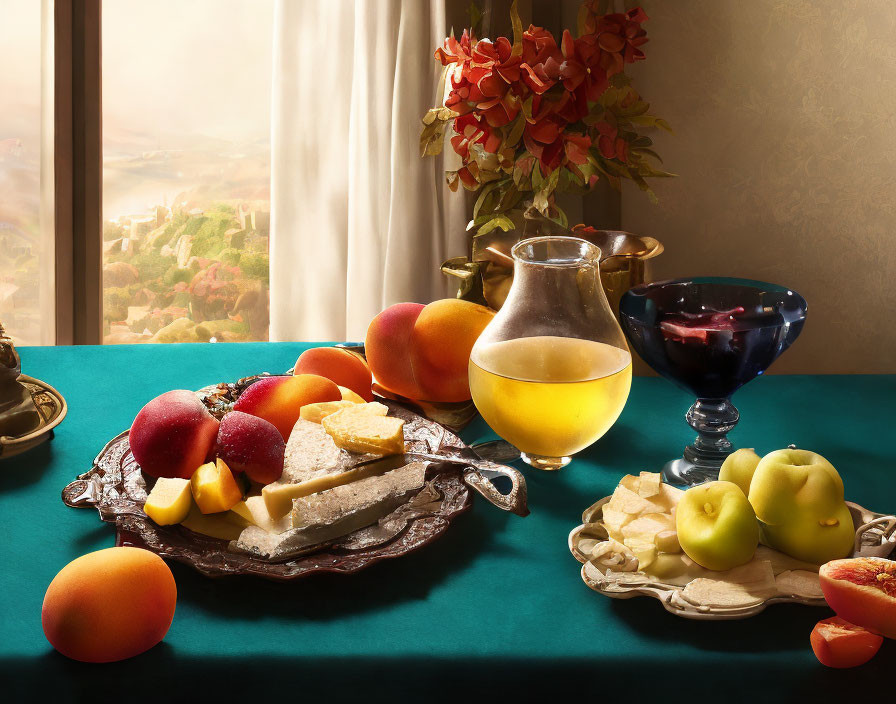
[531, 118]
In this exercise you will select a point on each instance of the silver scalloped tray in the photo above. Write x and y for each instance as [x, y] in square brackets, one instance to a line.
[875, 536]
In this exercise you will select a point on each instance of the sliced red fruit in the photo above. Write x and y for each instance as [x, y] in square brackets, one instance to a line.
[839, 643]
[697, 326]
[862, 590]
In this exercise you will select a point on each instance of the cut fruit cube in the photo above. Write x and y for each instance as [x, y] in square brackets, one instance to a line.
[226, 526]
[170, 501]
[316, 412]
[214, 488]
[362, 429]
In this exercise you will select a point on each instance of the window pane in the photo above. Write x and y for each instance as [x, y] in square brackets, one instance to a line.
[26, 241]
[186, 169]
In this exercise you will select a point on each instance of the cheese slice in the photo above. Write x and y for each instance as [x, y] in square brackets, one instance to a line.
[226, 525]
[331, 514]
[255, 511]
[357, 429]
[649, 484]
[316, 412]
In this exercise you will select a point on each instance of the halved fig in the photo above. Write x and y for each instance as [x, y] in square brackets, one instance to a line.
[862, 590]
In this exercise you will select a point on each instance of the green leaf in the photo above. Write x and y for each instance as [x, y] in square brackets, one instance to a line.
[516, 131]
[483, 198]
[502, 221]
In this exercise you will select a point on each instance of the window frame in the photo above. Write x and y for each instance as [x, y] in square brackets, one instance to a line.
[78, 170]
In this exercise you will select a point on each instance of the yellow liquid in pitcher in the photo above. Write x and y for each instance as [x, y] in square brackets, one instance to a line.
[550, 396]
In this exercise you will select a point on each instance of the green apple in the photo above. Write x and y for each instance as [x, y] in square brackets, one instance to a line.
[798, 497]
[739, 466]
[716, 526]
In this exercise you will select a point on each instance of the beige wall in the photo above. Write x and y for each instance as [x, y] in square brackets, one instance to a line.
[785, 143]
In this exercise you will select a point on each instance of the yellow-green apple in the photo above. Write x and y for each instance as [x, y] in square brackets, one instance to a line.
[716, 526]
[798, 497]
[739, 466]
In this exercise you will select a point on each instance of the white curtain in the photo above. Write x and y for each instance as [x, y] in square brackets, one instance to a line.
[359, 219]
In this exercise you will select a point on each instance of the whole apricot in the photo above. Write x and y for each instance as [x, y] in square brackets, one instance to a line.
[109, 605]
[279, 399]
[441, 342]
[340, 366]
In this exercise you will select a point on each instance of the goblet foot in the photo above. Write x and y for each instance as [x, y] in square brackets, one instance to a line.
[547, 463]
[683, 473]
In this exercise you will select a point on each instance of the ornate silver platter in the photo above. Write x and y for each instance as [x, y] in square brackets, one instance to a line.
[875, 536]
[116, 487]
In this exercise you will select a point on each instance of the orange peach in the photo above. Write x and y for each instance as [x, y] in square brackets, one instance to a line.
[423, 352]
[279, 399]
[172, 435]
[339, 366]
[109, 605]
[386, 347]
[441, 342]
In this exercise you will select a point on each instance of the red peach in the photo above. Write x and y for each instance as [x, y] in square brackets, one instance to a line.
[340, 366]
[386, 347]
[172, 435]
[252, 445]
[279, 399]
[109, 605]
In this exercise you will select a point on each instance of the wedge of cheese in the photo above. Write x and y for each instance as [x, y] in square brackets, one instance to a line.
[278, 498]
[325, 516]
[357, 429]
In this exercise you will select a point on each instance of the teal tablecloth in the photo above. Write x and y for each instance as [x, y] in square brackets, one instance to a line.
[493, 608]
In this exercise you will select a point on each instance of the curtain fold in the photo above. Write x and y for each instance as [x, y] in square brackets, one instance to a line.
[359, 220]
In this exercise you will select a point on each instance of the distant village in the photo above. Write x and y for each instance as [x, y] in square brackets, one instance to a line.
[190, 272]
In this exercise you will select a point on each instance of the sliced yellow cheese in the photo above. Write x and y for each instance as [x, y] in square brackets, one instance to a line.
[358, 429]
[255, 511]
[316, 412]
[349, 395]
[649, 484]
[226, 526]
[170, 501]
[214, 488]
[644, 550]
[667, 541]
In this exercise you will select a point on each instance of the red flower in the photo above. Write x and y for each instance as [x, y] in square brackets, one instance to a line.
[541, 59]
[610, 144]
[619, 37]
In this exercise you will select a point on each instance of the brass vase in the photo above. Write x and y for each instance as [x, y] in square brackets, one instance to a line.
[485, 277]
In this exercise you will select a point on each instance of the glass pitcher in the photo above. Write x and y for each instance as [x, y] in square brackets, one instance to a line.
[552, 371]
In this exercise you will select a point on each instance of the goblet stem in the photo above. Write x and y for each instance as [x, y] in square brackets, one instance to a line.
[712, 419]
